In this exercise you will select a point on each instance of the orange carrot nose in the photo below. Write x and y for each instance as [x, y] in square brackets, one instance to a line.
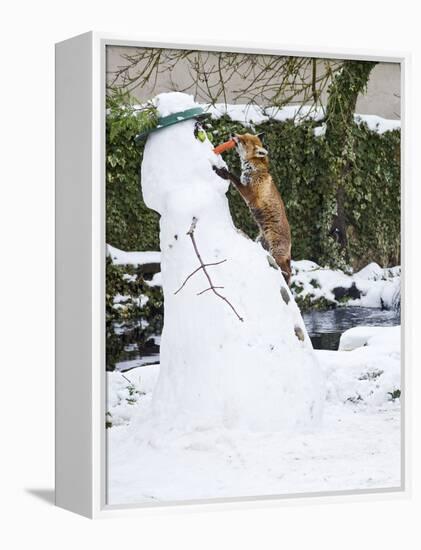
[224, 147]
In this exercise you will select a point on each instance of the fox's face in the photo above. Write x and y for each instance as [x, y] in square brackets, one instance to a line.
[249, 147]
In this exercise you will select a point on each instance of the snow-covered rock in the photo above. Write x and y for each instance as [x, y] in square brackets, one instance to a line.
[386, 338]
[208, 355]
[371, 272]
[372, 286]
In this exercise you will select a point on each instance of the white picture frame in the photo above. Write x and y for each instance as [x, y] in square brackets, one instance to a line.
[80, 278]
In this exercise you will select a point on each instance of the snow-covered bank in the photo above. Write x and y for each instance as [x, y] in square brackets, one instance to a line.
[357, 447]
[372, 286]
[121, 257]
[312, 286]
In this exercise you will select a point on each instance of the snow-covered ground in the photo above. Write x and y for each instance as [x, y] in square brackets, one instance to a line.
[356, 447]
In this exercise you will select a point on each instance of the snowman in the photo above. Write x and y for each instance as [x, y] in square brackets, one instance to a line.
[235, 353]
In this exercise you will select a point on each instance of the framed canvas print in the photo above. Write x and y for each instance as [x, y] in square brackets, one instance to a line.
[230, 274]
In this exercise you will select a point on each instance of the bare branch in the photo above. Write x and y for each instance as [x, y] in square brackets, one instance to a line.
[266, 80]
[203, 267]
[207, 289]
[195, 271]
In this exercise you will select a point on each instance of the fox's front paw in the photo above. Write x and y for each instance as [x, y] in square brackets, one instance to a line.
[222, 172]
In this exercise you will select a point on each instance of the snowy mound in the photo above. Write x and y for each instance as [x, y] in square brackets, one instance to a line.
[243, 361]
[366, 369]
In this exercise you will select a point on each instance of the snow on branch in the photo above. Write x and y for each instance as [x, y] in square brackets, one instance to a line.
[202, 267]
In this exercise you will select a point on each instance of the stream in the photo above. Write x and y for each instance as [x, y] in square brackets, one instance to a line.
[324, 328]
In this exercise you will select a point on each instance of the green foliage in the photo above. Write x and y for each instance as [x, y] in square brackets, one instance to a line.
[137, 322]
[301, 165]
[372, 198]
[130, 224]
[395, 394]
[148, 118]
[109, 420]
[343, 93]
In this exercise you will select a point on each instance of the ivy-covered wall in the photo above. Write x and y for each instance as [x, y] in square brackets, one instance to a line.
[300, 166]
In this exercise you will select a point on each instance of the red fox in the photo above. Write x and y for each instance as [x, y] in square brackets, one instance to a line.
[259, 191]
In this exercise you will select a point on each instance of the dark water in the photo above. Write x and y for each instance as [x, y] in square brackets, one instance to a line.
[136, 355]
[324, 328]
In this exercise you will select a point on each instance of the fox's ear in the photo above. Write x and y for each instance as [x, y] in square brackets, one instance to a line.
[261, 152]
[261, 136]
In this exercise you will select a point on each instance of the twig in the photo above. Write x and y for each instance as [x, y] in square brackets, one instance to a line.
[206, 289]
[195, 271]
[203, 267]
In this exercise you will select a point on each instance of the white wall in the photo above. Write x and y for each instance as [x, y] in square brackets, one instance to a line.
[383, 95]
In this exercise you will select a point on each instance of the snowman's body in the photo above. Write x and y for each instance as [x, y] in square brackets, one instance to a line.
[216, 370]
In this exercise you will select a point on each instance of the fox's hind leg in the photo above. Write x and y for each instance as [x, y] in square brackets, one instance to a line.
[284, 262]
[261, 239]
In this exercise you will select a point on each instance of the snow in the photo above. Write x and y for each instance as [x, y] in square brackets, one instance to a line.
[123, 301]
[320, 130]
[254, 114]
[384, 338]
[249, 115]
[208, 355]
[356, 447]
[120, 257]
[129, 278]
[379, 287]
[173, 102]
[156, 280]
[378, 124]
[371, 272]
[125, 391]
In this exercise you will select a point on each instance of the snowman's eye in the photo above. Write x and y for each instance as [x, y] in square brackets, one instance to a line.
[201, 135]
[197, 128]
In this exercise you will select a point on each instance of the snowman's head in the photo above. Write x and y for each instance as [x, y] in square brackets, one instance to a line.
[177, 165]
[173, 108]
